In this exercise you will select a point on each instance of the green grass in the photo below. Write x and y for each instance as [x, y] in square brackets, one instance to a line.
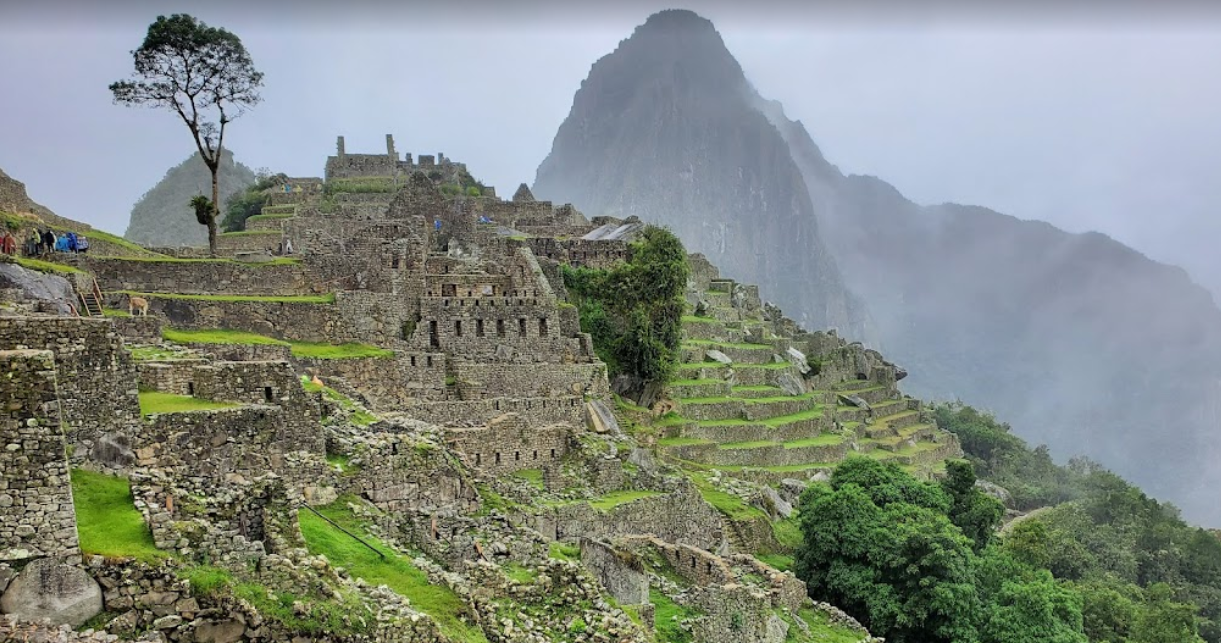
[720, 399]
[118, 241]
[822, 630]
[114, 312]
[47, 266]
[206, 581]
[782, 562]
[107, 520]
[787, 532]
[157, 402]
[395, 571]
[710, 343]
[564, 551]
[825, 439]
[616, 498]
[519, 573]
[314, 350]
[695, 319]
[328, 298]
[151, 353]
[753, 444]
[278, 261]
[218, 336]
[727, 503]
[681, 442]
[351, 350]
[666, 616]
[697, 382]
[746, 389]
[269, 216]
[533, 476]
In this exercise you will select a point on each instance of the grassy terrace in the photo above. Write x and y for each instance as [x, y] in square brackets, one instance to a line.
[271, 215]
[278, 261]
[299, 349]
[394, 571]
[46, 266]
[152, 402]
[703, 343]
[107, 520]
[693, 319]
[360, 416]
[249, 233]
[616, 498]
[328, 298]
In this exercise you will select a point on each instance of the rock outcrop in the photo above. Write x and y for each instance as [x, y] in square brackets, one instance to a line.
[665, 128]
[1079, 341]
[64, 594]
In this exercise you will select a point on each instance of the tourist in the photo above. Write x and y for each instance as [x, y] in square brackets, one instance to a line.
[9, 243]
[82, 244]
[288, 246]
[34, 244]
[48, 241]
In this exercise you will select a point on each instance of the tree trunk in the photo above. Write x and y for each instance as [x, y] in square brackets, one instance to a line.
[215, 207]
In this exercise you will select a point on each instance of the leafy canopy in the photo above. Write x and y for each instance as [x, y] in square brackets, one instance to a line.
[634, 310]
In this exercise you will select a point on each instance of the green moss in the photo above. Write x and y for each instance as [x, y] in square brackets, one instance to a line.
[47, 266]
[157, 402]
[286, 299]
[207, 581]
[564, 551]
[107, 520]
[519, 573]
[395, 571]
[616, 498]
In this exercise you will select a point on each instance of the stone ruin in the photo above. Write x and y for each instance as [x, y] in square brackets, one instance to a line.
[481, 389]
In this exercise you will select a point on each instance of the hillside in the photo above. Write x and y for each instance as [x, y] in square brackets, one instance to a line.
[1079, 341]
[664, 129]
[163, 218]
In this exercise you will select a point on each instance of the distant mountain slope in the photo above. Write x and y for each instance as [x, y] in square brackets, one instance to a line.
[1075, 339]
[664, 128]
[162, 217]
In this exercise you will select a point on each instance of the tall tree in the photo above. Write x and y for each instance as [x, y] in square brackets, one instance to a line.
[205, 75]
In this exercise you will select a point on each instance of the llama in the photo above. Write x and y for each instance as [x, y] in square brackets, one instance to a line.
[137, 302]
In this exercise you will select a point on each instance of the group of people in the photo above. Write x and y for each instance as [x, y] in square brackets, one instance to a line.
[43, 242]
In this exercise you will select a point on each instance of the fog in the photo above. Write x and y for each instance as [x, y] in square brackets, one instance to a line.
[1087, 121]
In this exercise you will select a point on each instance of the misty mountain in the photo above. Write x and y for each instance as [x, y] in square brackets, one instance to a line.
[665, 128]
[162, 217]
[1075, 339]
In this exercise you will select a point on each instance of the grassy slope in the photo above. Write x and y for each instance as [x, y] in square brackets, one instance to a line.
[395, 571]
[107, 519]
[299, 349]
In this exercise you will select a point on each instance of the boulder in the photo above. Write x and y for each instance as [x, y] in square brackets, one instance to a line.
[63, 594]
[113, 450]
[226, 631]
[798, 360]
[790, 489]
[52, 292]
[599, 419]
[717, 356]
[791, 384]
[771, 502]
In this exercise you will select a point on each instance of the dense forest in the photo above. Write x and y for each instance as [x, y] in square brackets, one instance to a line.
[1094, 559]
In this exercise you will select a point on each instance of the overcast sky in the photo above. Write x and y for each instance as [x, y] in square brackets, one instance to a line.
[1107, 122]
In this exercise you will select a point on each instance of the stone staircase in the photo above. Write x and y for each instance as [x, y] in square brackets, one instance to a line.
[744, 407]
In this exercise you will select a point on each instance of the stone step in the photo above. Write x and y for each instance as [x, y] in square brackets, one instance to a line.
[871, 393]
[900, 420]
[711, 408]
[768, 408]
[888, 407]
[695, 351]
[680, 389]
[704, 328]
[749, 392]
[776, 454]
[849, 414]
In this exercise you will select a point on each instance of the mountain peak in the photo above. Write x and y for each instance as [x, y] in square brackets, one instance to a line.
[670, 20]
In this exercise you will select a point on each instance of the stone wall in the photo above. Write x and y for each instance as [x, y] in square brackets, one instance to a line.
[554, 380]
[176, 377]
[251, 241]
[389, 383]
[309, 322]
[138, 329]
[508, 443]
[679, 517]
[36, 514]
[204, 276]
[97, 380]
[266, 383]
[536, 411]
